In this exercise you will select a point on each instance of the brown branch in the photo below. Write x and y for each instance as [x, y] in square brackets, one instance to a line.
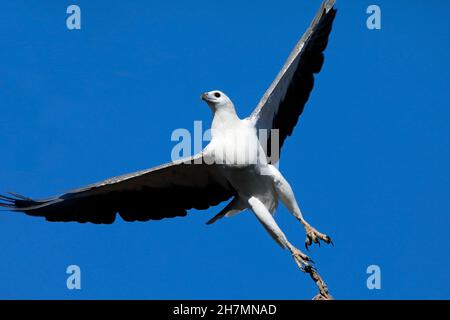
[323, 294]
[303, 262]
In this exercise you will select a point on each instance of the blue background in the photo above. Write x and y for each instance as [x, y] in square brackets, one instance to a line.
[369, 160]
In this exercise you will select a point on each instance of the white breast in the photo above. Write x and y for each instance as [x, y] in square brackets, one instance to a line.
[235, 142]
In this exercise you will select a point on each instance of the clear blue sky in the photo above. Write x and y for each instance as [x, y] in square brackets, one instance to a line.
[369, 160]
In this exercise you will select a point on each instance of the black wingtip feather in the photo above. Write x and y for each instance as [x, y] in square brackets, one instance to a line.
[19, 196]
[16, 202]
[6, 198]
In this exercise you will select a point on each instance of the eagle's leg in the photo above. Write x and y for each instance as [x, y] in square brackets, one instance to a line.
[302, 260]
[287, 196]
[267, 220]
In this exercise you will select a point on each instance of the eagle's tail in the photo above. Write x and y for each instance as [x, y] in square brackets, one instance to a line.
[232, 208]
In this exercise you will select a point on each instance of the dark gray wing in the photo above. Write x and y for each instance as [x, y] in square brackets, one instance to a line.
[284, 101]
[165, 191]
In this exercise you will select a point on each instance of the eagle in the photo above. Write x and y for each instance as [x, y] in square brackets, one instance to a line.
[238, 165]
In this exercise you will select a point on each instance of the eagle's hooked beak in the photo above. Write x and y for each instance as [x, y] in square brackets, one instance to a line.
[205, 97]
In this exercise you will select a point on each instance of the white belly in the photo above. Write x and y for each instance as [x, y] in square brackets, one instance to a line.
[251, 181]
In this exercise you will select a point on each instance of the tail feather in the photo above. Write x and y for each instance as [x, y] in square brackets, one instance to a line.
[234, 207]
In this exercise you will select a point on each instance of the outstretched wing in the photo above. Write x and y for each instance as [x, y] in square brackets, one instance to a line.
[284, 101]
[165, 191]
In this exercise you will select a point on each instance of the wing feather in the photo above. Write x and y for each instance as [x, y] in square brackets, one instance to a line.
[284, 101]
[165, 191]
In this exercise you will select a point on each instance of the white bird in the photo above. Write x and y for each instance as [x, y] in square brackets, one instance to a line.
[235, 164]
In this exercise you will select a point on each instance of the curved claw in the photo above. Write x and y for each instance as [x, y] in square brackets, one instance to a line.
[308, 259]
[329, 241]
[308, 242]
[313, 236]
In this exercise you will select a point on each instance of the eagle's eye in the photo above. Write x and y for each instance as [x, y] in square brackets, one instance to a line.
[216, 94]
